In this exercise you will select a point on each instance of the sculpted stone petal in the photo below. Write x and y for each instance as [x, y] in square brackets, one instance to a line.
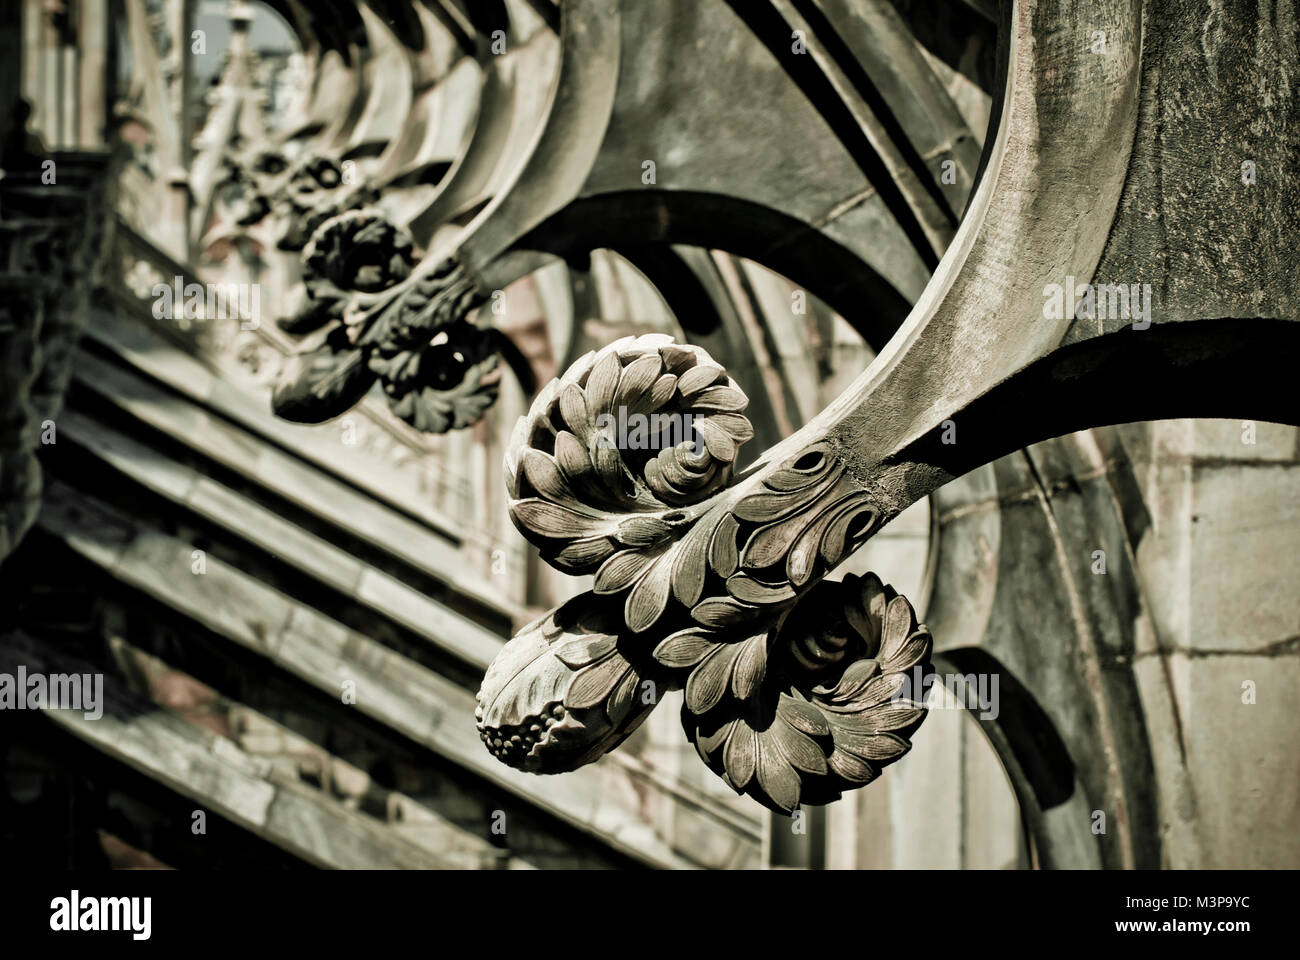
[566, 676]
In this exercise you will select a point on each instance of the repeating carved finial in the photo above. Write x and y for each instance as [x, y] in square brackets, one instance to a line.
[795, 690]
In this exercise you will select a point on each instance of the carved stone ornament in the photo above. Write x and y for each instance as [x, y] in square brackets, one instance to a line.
[794, 690]
[315, 191]
[373, 312]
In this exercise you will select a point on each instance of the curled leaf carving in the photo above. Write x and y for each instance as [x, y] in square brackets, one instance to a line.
[604, 470]
[659, 520]
[431, 300]
[322, 382]
[313, 192]
[795, 688]
[360, 250]
[447, 385]
[818, 705]
[803, 520]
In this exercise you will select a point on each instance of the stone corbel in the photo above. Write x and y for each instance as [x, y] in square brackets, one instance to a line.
[796, 688]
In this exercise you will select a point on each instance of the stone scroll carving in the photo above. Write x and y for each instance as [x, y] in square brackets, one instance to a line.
[624, 469]
[371, 312]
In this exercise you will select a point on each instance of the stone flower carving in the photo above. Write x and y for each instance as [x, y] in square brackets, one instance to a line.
[268, 163]
[796, 689]
[249, 185]
[448, 384]
[797, 713]
[314, 174]
[314, 192]
[356, 252]
[360, 250]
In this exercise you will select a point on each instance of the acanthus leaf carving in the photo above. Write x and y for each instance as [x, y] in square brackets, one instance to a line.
[296, 196]
[323, 382]
[659, 520]
[448, 384]
[605, 470]
[795, 689]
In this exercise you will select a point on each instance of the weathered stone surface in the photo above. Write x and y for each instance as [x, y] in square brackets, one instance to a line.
[1219, 91]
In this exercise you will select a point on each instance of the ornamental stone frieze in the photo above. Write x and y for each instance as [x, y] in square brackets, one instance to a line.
[53, 233]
